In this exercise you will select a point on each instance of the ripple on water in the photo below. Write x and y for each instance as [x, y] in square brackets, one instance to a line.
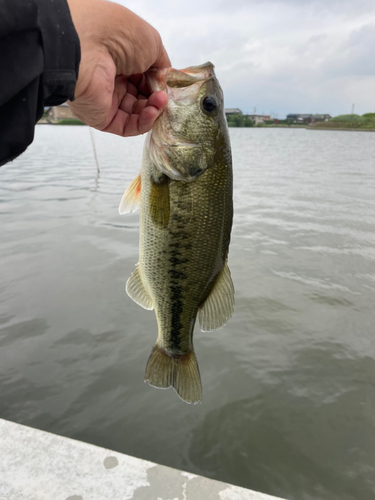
[288, 383]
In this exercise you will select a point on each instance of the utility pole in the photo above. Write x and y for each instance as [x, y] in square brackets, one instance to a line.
[255, 110]
[352, 108]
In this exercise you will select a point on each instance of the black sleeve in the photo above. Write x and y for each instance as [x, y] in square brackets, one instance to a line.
[39, 60]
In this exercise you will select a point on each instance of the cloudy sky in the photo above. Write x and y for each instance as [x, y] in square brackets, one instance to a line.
[279, 56]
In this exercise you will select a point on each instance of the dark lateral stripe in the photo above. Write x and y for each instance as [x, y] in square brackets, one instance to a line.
[177, 260]
[176, 324]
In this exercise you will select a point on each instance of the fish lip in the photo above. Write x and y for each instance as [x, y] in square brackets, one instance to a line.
[202, 72]
[157, 79]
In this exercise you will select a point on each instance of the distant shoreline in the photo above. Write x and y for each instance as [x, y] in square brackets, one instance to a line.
[344, 129]
[63, 122]
[301, 127]
[354, 123]
[304, 127]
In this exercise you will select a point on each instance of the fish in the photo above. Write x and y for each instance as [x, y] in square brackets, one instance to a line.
[185, 195]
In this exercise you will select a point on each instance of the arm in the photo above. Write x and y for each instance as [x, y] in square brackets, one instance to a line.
[39, 59]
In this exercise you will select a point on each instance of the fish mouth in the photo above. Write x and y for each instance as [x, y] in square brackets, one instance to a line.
[169, 143]
[162, 79]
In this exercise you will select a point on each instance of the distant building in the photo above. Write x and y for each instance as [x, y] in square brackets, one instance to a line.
[233, 111]
[300, 118]
[307, 118]
[60, 112]
[259, 118]
[320, 118]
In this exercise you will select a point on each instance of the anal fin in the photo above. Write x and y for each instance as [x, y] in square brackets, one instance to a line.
[178, 371]
[218, 307]
[137, 291]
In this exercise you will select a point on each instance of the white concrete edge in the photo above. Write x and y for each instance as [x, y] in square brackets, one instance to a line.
[37, 465]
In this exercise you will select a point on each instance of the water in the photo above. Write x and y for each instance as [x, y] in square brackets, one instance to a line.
[289, 383]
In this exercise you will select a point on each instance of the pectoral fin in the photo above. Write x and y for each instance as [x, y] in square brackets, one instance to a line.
[218, 307]
[137, 291]
[159, 201]
[132, 197]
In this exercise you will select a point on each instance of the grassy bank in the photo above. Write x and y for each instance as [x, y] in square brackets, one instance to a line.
[70, 121]
[348, 122]
[239, 120]
[341, 122]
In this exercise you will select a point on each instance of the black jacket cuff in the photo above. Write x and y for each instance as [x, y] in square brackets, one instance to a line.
[61, 51]
[39, 61]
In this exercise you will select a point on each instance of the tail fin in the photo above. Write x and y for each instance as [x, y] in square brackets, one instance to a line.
[179, 372]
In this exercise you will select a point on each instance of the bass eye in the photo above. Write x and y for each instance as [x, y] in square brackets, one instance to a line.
[209, 104]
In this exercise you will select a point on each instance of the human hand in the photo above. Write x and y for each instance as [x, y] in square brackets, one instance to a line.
[117, 47]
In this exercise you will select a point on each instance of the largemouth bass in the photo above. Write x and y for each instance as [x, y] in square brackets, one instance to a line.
[184, 192]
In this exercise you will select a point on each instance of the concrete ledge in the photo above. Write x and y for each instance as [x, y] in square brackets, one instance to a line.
[37, 465]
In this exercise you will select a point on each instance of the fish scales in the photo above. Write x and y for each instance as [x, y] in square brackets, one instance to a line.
[186, 253]
[186, 212]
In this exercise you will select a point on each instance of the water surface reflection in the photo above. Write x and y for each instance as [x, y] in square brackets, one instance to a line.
[288, 384]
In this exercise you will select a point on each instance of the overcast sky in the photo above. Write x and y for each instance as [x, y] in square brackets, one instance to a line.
[284, 56]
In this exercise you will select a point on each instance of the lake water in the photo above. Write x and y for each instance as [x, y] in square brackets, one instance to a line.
[288, 384]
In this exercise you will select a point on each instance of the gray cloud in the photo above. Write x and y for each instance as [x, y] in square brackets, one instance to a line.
[279, 55]
[355, 56]
[196, 8]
